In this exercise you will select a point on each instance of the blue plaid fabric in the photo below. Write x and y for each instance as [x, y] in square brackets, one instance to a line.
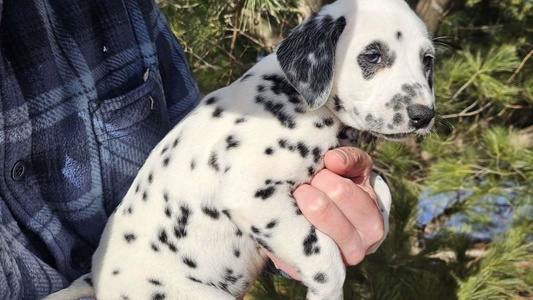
[87, 89]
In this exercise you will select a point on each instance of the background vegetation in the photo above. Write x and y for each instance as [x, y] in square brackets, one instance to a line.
[476, 166]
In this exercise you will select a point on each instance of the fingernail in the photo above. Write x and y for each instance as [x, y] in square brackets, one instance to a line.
[340, 154]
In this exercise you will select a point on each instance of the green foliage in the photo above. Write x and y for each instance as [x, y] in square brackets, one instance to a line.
[223, 39]
[481, 148]
[500, 273]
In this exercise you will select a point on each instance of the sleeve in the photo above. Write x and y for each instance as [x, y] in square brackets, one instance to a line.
[22, 273]
[384, 200]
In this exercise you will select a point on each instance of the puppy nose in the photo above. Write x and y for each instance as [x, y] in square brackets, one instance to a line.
[420, 115]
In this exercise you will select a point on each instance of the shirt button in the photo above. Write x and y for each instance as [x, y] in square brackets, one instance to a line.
[17, 173]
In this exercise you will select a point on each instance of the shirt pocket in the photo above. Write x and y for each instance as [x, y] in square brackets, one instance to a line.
[127, 128]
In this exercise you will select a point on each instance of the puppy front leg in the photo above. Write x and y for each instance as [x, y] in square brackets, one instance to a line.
[270, 216]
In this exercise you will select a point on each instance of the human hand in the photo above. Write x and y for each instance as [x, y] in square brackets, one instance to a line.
[341, 203]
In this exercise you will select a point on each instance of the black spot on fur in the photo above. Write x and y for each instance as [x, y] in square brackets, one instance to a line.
[194, 279]
[299, 110]
[166, 161]
[255, 229]
[211, 212]
[328, 122]
[227, 213]
[154, 281]
[231, 142]
[240, 120]
[311, 171]
[265, 193]
[238, 232]
[129, 237]
[397, 119]
[223, 286]
[236, 252]
[296, 99]
[246, 76]
[399, 35]
[165, 196]
[310, 243]
[180, 229]
[150, 178]
[277, 110]
[296, 208]
[193, 164]
[137, 188]
[168, 212]
[302, 149]
[282, 143]
[272, 224]
[88, 280]
[189, 262]
[128, 210]
[280, 85]
[115, 272]
[211, 100]
[375, 123]
[163, 237]
[158, 296]
[154, 247]
[320, 277]
[264, 244]
[317, 154]
[398, 101]
[337, 104]
[213, 162]
[218, 112]
[145, 196]
[176, 142]
[172, 247]
[230, 277]
[409, 89]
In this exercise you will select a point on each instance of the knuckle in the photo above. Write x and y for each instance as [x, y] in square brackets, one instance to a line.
[343, 189]
[317, 205]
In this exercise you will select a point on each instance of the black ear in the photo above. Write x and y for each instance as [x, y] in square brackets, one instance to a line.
[307, 57]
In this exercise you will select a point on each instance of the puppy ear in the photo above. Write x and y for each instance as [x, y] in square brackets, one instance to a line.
[307, 57]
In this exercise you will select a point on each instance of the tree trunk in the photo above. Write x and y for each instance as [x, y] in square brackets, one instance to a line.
[432, 11]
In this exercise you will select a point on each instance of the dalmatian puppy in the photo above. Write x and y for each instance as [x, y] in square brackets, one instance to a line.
[216, 191]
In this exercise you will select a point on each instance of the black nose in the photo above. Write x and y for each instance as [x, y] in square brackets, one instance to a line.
[420, 115]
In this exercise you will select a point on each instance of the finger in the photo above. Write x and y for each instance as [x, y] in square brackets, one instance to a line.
[327, 218]
[350, 162]
[353, 163]
[355, 203]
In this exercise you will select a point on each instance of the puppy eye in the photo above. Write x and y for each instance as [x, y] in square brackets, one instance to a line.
[427, 61]
[372, 57]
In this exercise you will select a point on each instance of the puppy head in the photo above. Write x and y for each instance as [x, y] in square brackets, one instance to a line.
[369, 61]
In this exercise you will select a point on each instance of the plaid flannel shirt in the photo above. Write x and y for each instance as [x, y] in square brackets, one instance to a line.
[87, 89]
